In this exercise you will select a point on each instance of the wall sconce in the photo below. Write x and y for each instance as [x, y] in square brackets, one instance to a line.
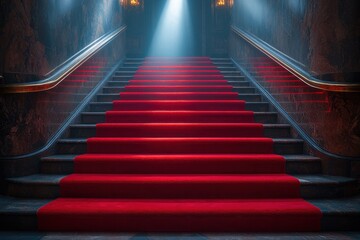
[220, 3]
[132, 3]
[224, 3]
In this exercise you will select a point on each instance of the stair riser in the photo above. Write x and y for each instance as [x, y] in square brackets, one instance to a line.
[117, 83]
[43, 191]
[96, 118]
[188, 88]
[81, 148]
[303, 167]
[179, 190]
[19, 222]
[112, 97]
[33, 190]
[244, 89]
[334, 190]
[257, 107]
[196, 72]
[227, 77]
[67, 167]
[57, 168]
[177, 77]
[192, 63]
[272, 132]
[202, 82]
[214, 105]
[170, 68]
[330, 222]
[111, 90]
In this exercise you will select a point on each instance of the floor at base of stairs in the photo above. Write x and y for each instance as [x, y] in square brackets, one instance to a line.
[82, 236]
[340, 215]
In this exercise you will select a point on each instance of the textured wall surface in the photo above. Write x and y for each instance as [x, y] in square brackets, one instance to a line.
[38, 35]
[323, 37]
[35, 37]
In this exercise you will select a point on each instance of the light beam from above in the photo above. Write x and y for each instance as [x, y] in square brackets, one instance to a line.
[173, 35]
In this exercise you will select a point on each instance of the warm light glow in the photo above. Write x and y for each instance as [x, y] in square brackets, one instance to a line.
[131, 3]
[223, 3]
[220, 3]
[134, 2]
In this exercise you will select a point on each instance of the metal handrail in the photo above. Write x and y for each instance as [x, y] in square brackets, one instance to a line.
[282, 60]
[65, 69]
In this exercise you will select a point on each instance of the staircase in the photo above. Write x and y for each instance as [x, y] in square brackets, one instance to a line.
[187, 146]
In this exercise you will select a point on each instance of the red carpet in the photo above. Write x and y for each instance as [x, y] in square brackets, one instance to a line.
[179, 153]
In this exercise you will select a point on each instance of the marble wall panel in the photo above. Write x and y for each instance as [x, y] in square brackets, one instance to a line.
[35, 37]
[38, 35]
[322, 37]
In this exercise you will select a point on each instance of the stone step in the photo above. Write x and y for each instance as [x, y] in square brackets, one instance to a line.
[99, 117]
[215, 61]
[217, 64]
[250, 106]
[113, 89]
[123, 72]
[282, 146]
[295, 164]
[118, 89]
[121, 83]
[311, 186]
[221, 68]
[249, 97]
[89, 130]
[191, 236]
[130, 76]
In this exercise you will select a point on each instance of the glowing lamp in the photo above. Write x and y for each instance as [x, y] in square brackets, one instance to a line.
[131, 3]
[134, 3]
[220, 3]
[224, 3]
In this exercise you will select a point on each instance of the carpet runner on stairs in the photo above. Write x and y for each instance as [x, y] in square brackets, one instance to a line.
[179, 153]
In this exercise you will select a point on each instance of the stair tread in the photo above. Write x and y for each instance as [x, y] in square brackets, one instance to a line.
[341, 206]
[70, 157]
[104, 112]
[174, 93]
[47, 179]
[86, 125]
[111, 103]
[276, 140]
[200, 236]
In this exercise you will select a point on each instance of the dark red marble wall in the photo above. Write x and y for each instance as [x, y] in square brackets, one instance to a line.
[322, 37]
[38, 35]
[35, 37]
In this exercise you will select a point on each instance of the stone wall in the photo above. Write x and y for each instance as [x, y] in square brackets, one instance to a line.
[322, 37]
[38, 35]
[35, 37]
